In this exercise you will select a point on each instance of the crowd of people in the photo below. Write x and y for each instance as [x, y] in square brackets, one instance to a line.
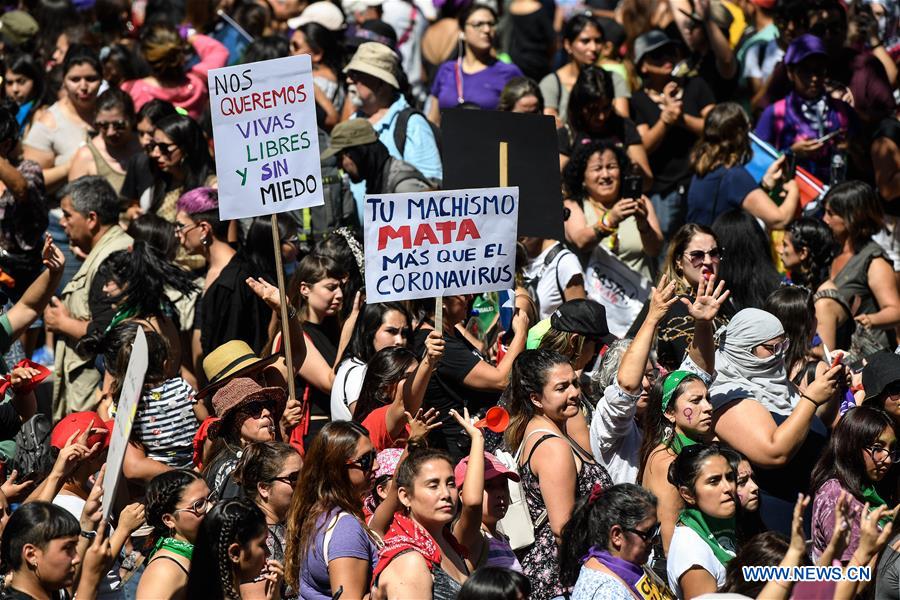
[736, 162]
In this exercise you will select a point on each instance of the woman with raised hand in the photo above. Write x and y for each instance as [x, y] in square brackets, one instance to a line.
[555, 467]
[705, 537]
[231, 551]
[760, 413]
[177, 502]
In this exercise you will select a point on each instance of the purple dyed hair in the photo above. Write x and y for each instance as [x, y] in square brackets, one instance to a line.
[198, 200]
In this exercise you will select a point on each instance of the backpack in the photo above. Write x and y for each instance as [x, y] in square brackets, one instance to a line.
[402, 124]
[33, 458]
[531, 283]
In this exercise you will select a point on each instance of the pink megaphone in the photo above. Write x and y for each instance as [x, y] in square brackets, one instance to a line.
[496, 419]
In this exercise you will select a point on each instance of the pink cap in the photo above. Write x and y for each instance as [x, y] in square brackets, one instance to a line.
[492, 468]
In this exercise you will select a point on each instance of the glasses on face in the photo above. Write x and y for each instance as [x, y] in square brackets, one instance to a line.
[646, 536]
[182, 228]
[881, 453]
[255, 409]
[652, 375]
[482, 24]
[164, 149]
[696, 256]
[290, 479]
[120, 125]
[197, 508]
[365, 462]
[778, 347]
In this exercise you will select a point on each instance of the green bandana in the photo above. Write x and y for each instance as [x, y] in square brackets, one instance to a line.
[672, 380]
[680, 442]
[185, 549]
[875, 500]
[711, 530]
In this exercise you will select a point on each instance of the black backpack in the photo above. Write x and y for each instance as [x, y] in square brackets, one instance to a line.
[402, 123]
[33, 458]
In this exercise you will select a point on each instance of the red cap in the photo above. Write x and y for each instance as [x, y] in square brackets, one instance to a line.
[81, 421]
[492, 468]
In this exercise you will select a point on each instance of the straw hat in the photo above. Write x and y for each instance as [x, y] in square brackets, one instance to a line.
[232, 359]
[240, 391]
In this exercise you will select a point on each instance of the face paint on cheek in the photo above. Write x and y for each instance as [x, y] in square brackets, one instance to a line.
[688, 413]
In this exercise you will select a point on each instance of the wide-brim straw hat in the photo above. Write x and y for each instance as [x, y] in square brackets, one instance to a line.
[232, 359]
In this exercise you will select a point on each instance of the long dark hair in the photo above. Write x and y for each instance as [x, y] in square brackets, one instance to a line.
[260, 463]
[212, 572]
[843, 457]
[322, 39]
[793, 305]
[386, 369]
[257, 244]
[198, 165]
[764, 549]
[749, 268]
[624, 504]
[814, 236]
[26, 65]
[658, 429]
[594, 85]
[115, 347]
[164, 492]
[685, 469]
[157, 233]
[495, 583]
[529, 376]
[312, 269]
[370, 319]
[323, 486]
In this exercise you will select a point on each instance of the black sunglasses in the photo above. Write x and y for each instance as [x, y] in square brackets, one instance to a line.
[646, 536]
[255, 409]
[291, 479]
[164, 149]
[365, 462]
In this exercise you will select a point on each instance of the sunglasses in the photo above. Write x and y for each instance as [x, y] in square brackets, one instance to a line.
[197, 507]
[646, 536]
[696, 256]
[182, 228]
[164, 149]
[365, 462]
[255, 409]
[291, 479]
[117, 125]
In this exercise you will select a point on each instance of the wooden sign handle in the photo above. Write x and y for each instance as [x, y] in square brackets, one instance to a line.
[285, 324]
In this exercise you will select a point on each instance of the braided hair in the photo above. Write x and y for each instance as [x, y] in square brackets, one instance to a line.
[164, 492]
[213, 574]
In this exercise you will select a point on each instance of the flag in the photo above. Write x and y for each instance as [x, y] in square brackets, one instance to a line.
[764, 155]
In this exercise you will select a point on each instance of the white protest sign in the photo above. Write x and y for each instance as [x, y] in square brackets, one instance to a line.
[440, 243]
[125, 411]
[266, 137]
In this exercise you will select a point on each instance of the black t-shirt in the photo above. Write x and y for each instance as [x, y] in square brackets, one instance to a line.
[723, 89]
[530, 36]
[138, 177]
[671, 161]
[621, 131]
[325, 337]
[446, 390]
[10, 423]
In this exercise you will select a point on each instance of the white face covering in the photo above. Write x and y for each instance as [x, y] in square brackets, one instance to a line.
[741, 374]
[353, 96]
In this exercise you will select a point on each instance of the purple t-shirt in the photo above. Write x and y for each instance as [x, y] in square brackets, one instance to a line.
[482, 88]
[348, 540]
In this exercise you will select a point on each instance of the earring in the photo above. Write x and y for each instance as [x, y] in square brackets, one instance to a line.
[206, 241]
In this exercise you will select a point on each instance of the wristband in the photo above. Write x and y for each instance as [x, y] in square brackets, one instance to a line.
[90, 535]
[814, 403]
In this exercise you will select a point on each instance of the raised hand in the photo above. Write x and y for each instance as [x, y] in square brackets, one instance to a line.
[51, 256]
[798, 536]
[132, 517]
[434, 348]
[840, 537]
[709, 300]
[422, 423]
[93, 506]
[267, 292]
[466, 423]
[11, 489]
[274, 575]
[872, 540]
[662, 297]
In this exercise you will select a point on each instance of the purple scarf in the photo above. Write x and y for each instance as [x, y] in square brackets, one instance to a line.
[627, 571]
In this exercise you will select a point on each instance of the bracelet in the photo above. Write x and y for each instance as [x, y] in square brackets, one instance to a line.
[292, 313]
[89, 535]
[607, 225]
[814, 403]
[877, 46]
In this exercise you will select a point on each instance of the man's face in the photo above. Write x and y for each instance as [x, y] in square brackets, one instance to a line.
[76, 225]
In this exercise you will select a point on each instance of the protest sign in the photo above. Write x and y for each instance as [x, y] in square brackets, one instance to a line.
[470, 139]
[440, 243]
[619, 289]
[125, 411]
[266, 137]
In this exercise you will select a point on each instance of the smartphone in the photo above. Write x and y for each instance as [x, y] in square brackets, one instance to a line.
[790, 164]
[632, 187]
[827, 137]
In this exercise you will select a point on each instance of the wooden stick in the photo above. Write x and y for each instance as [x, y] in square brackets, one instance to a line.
[504, 164]
[285, 325]
[439, 314]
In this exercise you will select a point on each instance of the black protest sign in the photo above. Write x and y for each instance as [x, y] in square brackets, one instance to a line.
[471, 149]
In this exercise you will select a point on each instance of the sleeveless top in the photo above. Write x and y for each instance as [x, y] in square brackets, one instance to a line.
[105, 170]
[626, 243]
[852, 284]
[540, 561]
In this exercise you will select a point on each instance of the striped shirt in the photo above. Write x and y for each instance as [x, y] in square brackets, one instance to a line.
[165, 423]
